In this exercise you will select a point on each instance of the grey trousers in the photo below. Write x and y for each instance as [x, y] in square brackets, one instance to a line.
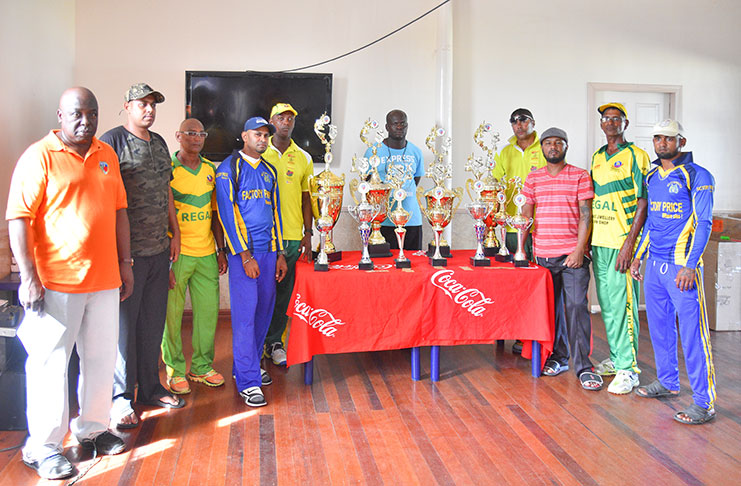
[570, 287]
[141, 324]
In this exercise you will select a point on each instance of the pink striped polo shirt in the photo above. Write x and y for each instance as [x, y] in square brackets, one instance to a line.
[556, 199]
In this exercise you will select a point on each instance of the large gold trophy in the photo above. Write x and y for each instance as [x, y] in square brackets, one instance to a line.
[440, 202]
[484, 184]
[378, 190]
[326, 197]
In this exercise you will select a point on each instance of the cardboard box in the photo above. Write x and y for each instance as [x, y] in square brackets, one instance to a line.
[723, 284]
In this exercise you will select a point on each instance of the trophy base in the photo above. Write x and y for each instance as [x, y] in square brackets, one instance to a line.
[321, 267]
[522, 263]
[438, 262]
[332, 257]
[503, 258]
[444, 251]
[491, 251]
[379, 250]
[365, 266]
[403, 264]
[480, 263]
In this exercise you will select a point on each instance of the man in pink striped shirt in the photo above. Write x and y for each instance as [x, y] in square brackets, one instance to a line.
[563, 196]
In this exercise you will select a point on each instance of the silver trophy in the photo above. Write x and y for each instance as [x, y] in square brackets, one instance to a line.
[324, 224]
[400, 217]
[521, 224]
[479, 210]
[364, 213]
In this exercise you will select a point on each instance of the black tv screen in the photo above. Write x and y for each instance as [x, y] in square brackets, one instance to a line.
[224, 100]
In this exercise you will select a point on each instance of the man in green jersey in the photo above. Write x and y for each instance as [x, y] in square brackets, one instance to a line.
[618, 214]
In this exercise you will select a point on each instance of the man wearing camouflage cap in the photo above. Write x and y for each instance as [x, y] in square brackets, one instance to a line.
[146, 172]
[618, 214]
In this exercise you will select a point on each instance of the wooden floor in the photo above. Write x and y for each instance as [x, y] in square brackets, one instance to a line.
[365, 422]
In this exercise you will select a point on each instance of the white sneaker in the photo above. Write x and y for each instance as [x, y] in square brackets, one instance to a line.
[278, 354]
[624, 382]
[605, 368]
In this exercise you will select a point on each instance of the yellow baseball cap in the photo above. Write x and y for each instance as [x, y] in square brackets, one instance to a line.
[282, 108]
[618, 106]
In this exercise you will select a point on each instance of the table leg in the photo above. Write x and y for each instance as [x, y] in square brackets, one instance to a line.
[435, 363]
[309, 372]
[536, 359]
[415, 364]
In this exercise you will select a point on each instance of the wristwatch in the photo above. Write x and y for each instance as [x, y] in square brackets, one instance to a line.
[282, 252]
[130, 261]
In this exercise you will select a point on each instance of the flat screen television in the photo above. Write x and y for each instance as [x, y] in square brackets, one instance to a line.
[224, 100]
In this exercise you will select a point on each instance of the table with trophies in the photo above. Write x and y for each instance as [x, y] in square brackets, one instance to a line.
[378, 300]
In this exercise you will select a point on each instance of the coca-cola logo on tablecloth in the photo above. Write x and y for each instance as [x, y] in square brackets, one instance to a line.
[472, 300]
[320, 319]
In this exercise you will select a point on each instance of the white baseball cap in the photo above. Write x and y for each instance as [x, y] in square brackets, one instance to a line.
[668, 128]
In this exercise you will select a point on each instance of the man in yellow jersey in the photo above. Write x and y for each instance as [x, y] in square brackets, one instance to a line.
[618, 214]
[294, 167]
[199, 265]
[518, 158]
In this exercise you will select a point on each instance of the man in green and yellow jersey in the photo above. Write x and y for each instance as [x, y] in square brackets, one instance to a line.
[199, 265]
[294, 167]
[618, 214]
[518, 158]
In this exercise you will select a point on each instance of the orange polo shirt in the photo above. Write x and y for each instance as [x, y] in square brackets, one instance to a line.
[71, 204]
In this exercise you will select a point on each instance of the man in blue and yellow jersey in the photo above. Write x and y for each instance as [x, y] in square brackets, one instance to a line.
[199, 266]
[294, 167]
[680, 217]
[618, 214]
[247, 196]
[521, 156]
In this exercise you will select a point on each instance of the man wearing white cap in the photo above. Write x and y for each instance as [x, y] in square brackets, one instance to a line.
[247, 197]
[680, 217]
[294, 166]
[618, 214]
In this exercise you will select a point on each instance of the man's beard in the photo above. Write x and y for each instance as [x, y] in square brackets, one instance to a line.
[667, 155]
[555, 160]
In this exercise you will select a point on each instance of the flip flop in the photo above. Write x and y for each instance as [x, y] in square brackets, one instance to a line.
[655, 390]
[132, 425]
[591, 381]
[696, 414]
[554, 368]
[158, 402]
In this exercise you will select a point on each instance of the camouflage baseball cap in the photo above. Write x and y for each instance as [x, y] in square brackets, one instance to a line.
[140, 90]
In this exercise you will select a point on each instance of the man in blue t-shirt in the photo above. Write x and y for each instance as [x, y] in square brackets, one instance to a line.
[397, 150]
[680, 217]
[249, 211]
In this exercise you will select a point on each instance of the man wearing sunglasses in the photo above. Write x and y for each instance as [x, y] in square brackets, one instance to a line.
[518, 158]
[199, 264]
[618, 211]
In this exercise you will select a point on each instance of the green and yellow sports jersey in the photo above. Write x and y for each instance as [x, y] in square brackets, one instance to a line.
[514, 162]
[618, 184]
[294, 167]
[195, 202]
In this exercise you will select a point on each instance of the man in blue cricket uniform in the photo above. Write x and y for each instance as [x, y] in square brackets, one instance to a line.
[680, 216]
[247, 198]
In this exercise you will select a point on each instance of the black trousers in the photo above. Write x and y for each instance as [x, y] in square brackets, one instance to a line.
[570, 287]
[412, 240]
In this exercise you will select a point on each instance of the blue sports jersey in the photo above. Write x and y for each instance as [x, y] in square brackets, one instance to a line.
[249, 207]
[680, 213]
[411, 158]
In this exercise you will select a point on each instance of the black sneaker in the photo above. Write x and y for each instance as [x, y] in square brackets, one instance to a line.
[517, 347]
[55, 466]
[265, 377]
[105, 444]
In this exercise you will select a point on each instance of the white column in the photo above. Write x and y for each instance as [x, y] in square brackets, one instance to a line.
[444, 83]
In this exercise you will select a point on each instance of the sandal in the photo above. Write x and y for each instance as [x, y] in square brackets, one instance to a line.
[696, 415]
[253, 396]
[655, 390]
[591, 381]
[554, 368]
[131, 424]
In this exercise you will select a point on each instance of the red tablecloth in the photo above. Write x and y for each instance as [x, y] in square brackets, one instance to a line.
[350, 310]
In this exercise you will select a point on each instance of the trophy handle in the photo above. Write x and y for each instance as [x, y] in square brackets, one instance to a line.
[458, 192]
[469, 185]
[420, 193]
[354, 187]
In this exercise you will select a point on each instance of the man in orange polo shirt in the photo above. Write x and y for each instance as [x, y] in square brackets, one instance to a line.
[69, 231]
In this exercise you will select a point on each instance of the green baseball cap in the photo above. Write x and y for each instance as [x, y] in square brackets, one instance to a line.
[140, 90]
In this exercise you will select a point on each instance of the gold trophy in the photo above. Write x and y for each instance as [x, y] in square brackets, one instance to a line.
[500, 218]
[326, 196]
[520, 223]
[378, 192]
[487, 185]
[441, 203]
[400, 217]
